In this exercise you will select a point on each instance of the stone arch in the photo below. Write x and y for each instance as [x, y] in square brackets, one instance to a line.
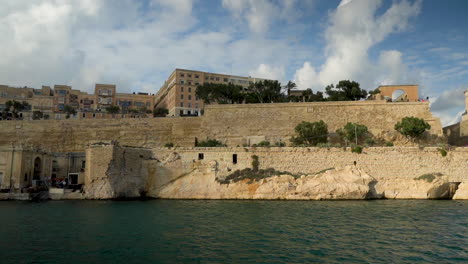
[412, 91]
[399, 95]
[37, 172]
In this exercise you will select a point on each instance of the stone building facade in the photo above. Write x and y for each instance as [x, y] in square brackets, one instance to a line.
[51, 103]
[178, 92]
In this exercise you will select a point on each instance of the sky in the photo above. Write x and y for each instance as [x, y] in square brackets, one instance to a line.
[136, 44]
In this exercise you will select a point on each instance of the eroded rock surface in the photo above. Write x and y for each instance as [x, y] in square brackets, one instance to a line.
[346, 183]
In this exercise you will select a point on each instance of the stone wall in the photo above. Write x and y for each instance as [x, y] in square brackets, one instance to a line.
[114, 172]
[379, 162]
[237, 124]
[233, 124]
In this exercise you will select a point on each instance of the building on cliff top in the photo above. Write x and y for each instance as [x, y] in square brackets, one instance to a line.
[178, 92]
[52, 103]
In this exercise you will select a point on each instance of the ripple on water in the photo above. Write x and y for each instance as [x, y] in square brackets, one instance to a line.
[168, 231]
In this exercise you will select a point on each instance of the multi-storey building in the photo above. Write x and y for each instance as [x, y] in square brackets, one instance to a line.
[52, 102]
[178, 92]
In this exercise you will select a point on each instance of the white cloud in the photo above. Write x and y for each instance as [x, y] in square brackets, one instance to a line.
[81, 43]
[353, 29]
[449, 105]
[269, 72]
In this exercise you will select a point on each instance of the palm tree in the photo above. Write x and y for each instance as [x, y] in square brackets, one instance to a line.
[291, 85]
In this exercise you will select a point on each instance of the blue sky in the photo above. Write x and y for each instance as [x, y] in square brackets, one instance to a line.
[137, 44]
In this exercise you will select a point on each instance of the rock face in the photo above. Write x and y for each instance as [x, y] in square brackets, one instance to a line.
[397, 188]
[346, 183]
[462, 192]
[117, 172]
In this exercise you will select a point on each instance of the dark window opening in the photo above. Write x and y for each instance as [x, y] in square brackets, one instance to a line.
[201, 156]
[234, 158]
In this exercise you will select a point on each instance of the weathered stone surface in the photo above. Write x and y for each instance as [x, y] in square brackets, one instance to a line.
[346, 183]
[462, 192]
[232, 124]
[400, 188]
[116, 172]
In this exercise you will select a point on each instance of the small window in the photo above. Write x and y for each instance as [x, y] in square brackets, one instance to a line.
[189, 112]
[181, 112]
[189, 83]
[181, 104]
[226, 79]
[189, 104]
[190, 89]
[182, 89]
[189, 75]
[25, 177]
[212, 78]
[84, 115]
[196, 105]
[190, 97]
[182, 96]
[182, 75]
[217, 78]
[181, 81]
[196, 76]
[201, 156]
[94, 115]
[234, 158]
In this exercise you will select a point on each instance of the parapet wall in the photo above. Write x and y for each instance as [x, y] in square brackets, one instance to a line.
[232, 124]
[379, 162]
[239, 123]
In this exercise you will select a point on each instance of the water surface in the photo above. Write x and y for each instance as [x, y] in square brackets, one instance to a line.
[190, 231]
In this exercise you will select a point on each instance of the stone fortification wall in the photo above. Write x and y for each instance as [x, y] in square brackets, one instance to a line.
[238, 124]
[114, 171]
[75, 135]
[379, 162]
[233, 124]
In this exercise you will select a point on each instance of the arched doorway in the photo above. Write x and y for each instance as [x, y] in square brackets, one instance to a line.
[399, 96]
[410, 90]
[37, 169]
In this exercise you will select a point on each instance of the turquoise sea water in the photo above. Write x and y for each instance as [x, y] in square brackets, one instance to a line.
[189, 231]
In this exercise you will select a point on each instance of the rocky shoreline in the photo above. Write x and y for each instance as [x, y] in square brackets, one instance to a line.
[347, 183]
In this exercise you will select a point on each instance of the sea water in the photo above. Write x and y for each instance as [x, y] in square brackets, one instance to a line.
[203, 231]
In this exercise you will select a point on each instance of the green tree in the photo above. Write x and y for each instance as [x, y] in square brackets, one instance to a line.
[412, 127]
[352, 131]
[160, 112]
[14, 107]
[266, 91]
[345, 91]
[113, 109]
[311, 97]
[310, 134]
[220, 93]
[290, 86]
[37, 115]
[69, 110]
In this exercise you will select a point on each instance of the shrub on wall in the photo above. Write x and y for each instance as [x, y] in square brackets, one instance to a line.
[443, 152]
[357, 149]
[280, 144]
[255, 163]
[412, 127]
[211, 143]
[352, 131]
[263, 143]
[169, 145]
[310, 134]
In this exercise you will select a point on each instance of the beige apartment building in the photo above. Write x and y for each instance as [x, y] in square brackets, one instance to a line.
[52, 102]
[178, 92]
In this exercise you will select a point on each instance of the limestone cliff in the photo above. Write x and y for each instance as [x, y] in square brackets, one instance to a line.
[462, 192]
[346, 183]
